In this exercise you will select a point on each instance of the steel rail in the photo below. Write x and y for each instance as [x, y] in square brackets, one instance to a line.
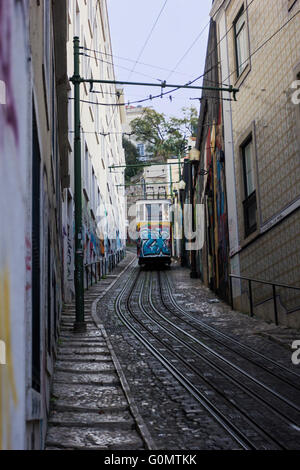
[233, 340]
[234, 366]
[246, 389]
[234, 432]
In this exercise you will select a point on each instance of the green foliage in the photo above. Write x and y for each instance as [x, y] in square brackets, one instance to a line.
[165, 136]
[131, 157]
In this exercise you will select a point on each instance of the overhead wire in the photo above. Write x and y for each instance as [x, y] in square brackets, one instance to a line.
[121, 67]
[192, 45]
[264, 43]
[132, 60]
[188, 50]
[148, 38]
[221, 39]
[150, 98]
[111, 63]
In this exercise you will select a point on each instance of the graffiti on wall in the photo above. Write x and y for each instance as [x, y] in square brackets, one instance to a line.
[217, 242]
[15, 258]
[9, 109]
[8, 389]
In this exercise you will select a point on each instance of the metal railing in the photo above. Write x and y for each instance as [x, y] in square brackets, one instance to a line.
[95, 271]
[251, 280]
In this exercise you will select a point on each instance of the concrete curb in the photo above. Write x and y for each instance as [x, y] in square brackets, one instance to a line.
[134, 409]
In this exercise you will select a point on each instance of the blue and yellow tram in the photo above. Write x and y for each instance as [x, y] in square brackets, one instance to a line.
[154, 231]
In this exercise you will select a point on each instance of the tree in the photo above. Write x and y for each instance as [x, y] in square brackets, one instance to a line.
[165, 136]
[131, 157]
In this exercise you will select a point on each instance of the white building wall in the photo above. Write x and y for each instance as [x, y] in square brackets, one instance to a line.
[101, 144]
[134, 112]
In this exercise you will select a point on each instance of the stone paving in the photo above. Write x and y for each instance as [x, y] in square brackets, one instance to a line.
[109, 392]
[89, 409]
[174, 419]
[203, 303]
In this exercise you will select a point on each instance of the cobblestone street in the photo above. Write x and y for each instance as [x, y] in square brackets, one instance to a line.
[149, 228]
[218, 379]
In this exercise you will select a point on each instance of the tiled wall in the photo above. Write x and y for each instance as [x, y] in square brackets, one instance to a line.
[265, 107]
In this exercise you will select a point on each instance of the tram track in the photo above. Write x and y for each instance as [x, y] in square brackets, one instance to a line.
[230, 377]
[209, 331]
[230, 427]
[237, 368]
[248, 390]
[135, 305]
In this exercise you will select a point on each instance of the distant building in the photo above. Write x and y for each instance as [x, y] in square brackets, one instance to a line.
[134, 112]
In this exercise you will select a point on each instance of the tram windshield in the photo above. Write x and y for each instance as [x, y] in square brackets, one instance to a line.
[153, 212]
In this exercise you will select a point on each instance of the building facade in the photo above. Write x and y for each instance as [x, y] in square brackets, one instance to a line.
[102, 116]
[33, 144]
[258, 45]
[135, 112]
[211, 261]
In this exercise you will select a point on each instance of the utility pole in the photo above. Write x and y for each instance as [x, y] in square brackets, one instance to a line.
[79, 325]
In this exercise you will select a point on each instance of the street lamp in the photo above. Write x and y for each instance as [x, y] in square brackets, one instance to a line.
[181, 185]
[194, 155]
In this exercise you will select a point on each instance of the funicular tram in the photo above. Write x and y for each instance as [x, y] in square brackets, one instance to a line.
[154, 241]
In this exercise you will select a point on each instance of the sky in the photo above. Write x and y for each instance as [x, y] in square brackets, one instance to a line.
[163, 44]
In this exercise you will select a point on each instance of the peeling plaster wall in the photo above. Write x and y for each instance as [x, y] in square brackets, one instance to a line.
[15, 246]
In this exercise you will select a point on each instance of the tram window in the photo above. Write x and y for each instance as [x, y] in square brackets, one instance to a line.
[140, 212]
[154, 212]
[148, 212]
[166, 213]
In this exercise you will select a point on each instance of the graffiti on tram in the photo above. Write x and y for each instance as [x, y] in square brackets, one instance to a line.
[154, 240]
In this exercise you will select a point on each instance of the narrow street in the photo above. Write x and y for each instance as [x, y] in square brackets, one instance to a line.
[161, 367]
[150, 228]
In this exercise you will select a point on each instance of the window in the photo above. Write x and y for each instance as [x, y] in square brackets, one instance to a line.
[241, 42]
[86, 184]
[90, 11]
[85, 65]
[249, 202]
[154, 212]
[47, 34]
[93, 188]
[36, 255]
[141, 149]
[77, 20]
[140, 213]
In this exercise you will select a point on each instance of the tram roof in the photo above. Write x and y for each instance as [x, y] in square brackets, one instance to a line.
[154, 201]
